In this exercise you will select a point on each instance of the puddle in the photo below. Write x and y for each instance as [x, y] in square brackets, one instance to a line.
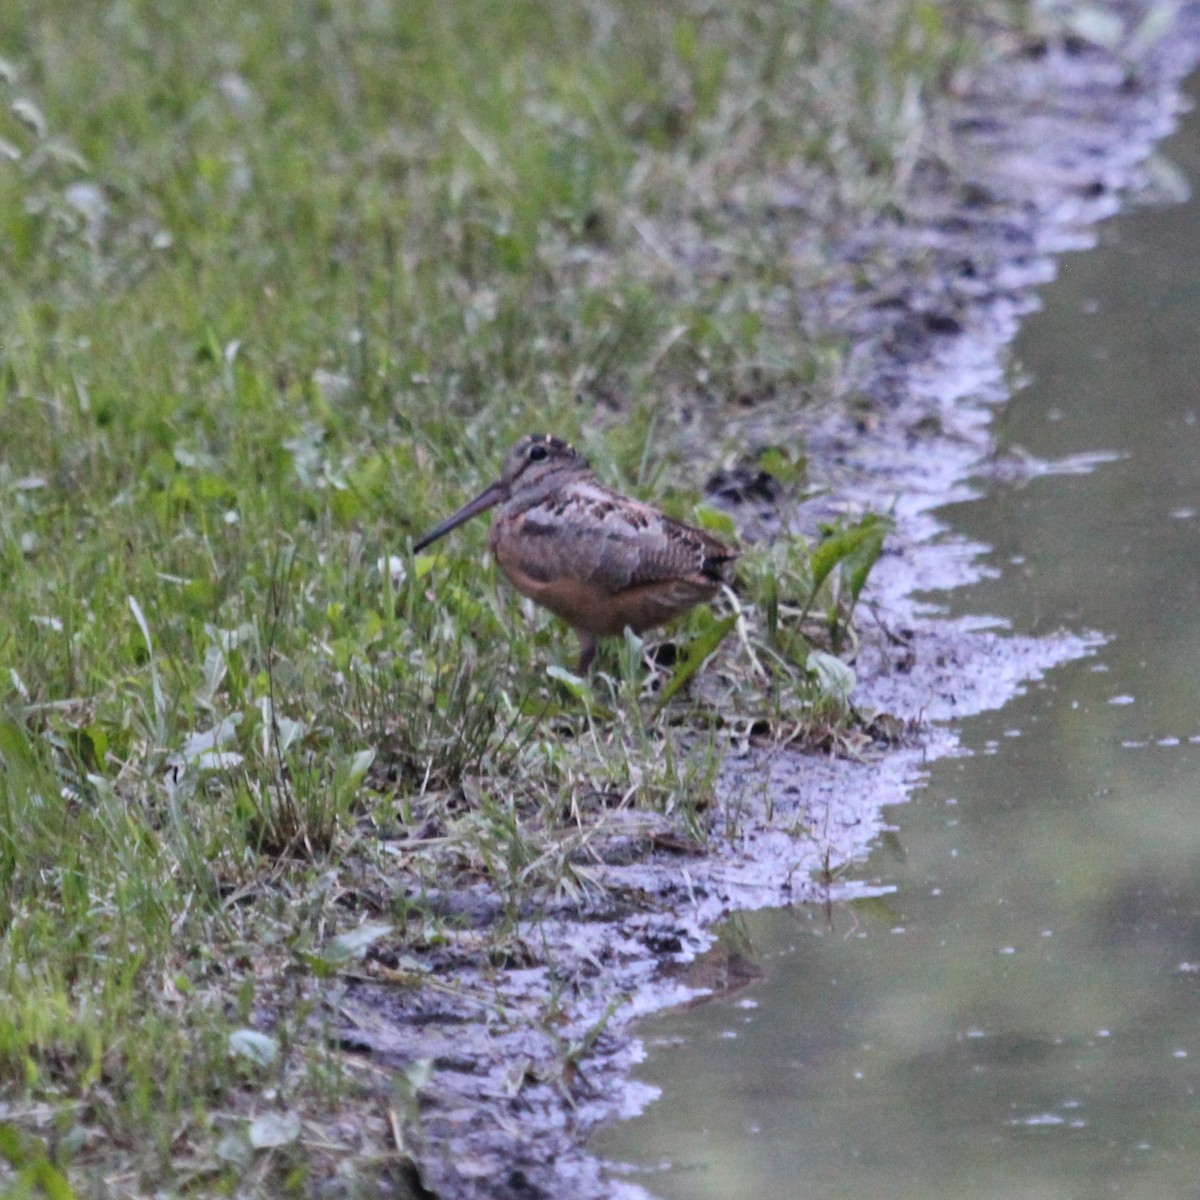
[1013, 1008]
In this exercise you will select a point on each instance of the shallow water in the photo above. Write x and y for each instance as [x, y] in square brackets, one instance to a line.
[1021, 1016]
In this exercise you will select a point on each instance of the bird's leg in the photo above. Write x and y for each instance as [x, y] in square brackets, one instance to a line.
[587, 652]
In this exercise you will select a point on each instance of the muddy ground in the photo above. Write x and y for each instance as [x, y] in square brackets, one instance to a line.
[528, 1057]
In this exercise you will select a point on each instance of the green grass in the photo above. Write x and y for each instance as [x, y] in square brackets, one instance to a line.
[281, 282]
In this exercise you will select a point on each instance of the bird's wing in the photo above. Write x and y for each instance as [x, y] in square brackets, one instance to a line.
[614, 543]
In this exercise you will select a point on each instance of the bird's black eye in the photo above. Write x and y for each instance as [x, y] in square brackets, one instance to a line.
[537, 453]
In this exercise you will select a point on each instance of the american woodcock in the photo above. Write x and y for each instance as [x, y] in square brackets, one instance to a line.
[599, 560]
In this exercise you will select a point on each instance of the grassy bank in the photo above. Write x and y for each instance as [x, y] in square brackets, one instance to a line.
[281, 283]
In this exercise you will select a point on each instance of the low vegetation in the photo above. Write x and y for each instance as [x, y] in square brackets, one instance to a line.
[282, 281]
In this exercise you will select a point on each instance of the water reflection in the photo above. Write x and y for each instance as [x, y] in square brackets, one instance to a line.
[1021, 1018]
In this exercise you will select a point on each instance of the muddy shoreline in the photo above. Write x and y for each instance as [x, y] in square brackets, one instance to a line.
[528, 1057]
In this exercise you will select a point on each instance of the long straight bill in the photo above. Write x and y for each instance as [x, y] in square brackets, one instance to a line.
[485, 500]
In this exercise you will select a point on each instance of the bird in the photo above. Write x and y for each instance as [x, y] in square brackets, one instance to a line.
[599, 560]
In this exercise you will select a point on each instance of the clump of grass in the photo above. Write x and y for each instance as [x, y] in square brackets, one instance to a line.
[283, 282]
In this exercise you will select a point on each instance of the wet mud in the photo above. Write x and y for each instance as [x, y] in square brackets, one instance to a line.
[528, 1056]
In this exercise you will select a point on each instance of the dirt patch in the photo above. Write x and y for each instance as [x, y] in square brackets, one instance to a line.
[527, 1056]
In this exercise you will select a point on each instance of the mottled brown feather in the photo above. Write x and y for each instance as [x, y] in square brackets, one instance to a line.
[599, 560]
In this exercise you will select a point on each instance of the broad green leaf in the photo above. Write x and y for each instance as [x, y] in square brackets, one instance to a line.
[11, 1148]
[353, 946]
[253, 1046]
[1096, 25]
[424, 563]
[274, 1129]
[700, 648]
[835, 679]
[834, 549]
[715, 521]
[1155, 25]
[15, 748]
[353, 769]
[783, 464]
[857, 565]
[44, 1179]
[575, 684]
